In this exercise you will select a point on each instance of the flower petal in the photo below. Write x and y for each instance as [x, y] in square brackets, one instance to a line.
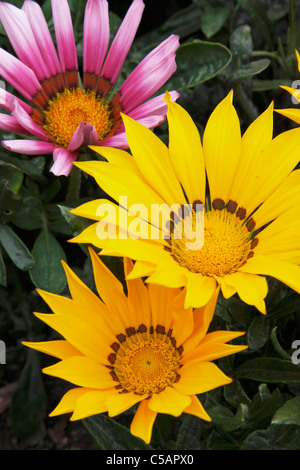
[122, 42]
[28, 147]
[196, 409]
[222, 148]
[85, 134]
[10, 124]
[82, 371]
[186, 152]
[169, 401]
[287, 273]
[64, 35]
[68, 401]
[57, 348]
[21, 77]
[91, 403]
[200, 377]
[63, 161]
[26, 122]
[150, 75]
[95, 35]
[251, 289]
[121, 402]
[42, 35]
[142, 423]
[22, 39]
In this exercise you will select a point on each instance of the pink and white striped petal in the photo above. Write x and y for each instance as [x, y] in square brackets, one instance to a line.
[21, 77]
[6, 100]
[85, 134]
[28, 147]
[64, 35]
[63, 161]
[21, 37]
[122, 41]
[9, 124]
[156, 107]
[95, 35]
[42, 35]
[150, 75]
[26, 122]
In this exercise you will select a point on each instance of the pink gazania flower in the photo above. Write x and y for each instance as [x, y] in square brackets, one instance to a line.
[63, 113]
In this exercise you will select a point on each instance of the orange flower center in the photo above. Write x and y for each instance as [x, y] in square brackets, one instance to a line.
[69, 108]
[226, 246]
[145, 363]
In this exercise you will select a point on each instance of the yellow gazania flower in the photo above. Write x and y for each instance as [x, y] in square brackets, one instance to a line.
[141, 348]
[292, 113]
[252, 203]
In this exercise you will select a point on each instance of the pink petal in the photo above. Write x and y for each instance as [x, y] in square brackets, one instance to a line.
[150, 75]
[10, 124]
[85, 134]
[21, 77]
[122, 41]
[63, 161]
[22, 39]
[42, 35]
[156, 106]
[6, 100]
[118, 141]
[28, 147]
[26, 122]
[95, 35]
[64, 35]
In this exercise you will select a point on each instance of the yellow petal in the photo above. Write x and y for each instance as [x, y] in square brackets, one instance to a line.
[291, 113]
[162, 299]
[200, 377]
[110, 178]
[68, 401]
[169, 401]
[142, 423]
[196, 409]
[81, 334]
[269, 169]
[91, 403]
[200, 289]
[287, 273]
[251, 289]
[210, 352]
[285, 197]
[121, 402]
[186, 151]
[222, 148]
[152, 157]
[116, 156]
[257, 136]
[58, 348]
[81, 371]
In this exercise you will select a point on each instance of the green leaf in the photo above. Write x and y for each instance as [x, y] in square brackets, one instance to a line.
[9, 202]
[212, 19]
[275, 437]
[258, 332]
[289, 413]
[12, 176]
[197, 62]
[241, 45]
[248, 70]
[48, 273]
[2, 271]
[263, 407]
[15, 248]
[29, 402]
[269, 369]
[189, 433]
[111, 435]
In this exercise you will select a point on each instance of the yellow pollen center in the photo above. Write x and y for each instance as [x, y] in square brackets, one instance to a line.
[226, 246]
[146, 366]
[69, 108]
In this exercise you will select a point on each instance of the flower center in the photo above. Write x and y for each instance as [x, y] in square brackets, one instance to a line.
[226, 247]
[145, 363]
[69, 108]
